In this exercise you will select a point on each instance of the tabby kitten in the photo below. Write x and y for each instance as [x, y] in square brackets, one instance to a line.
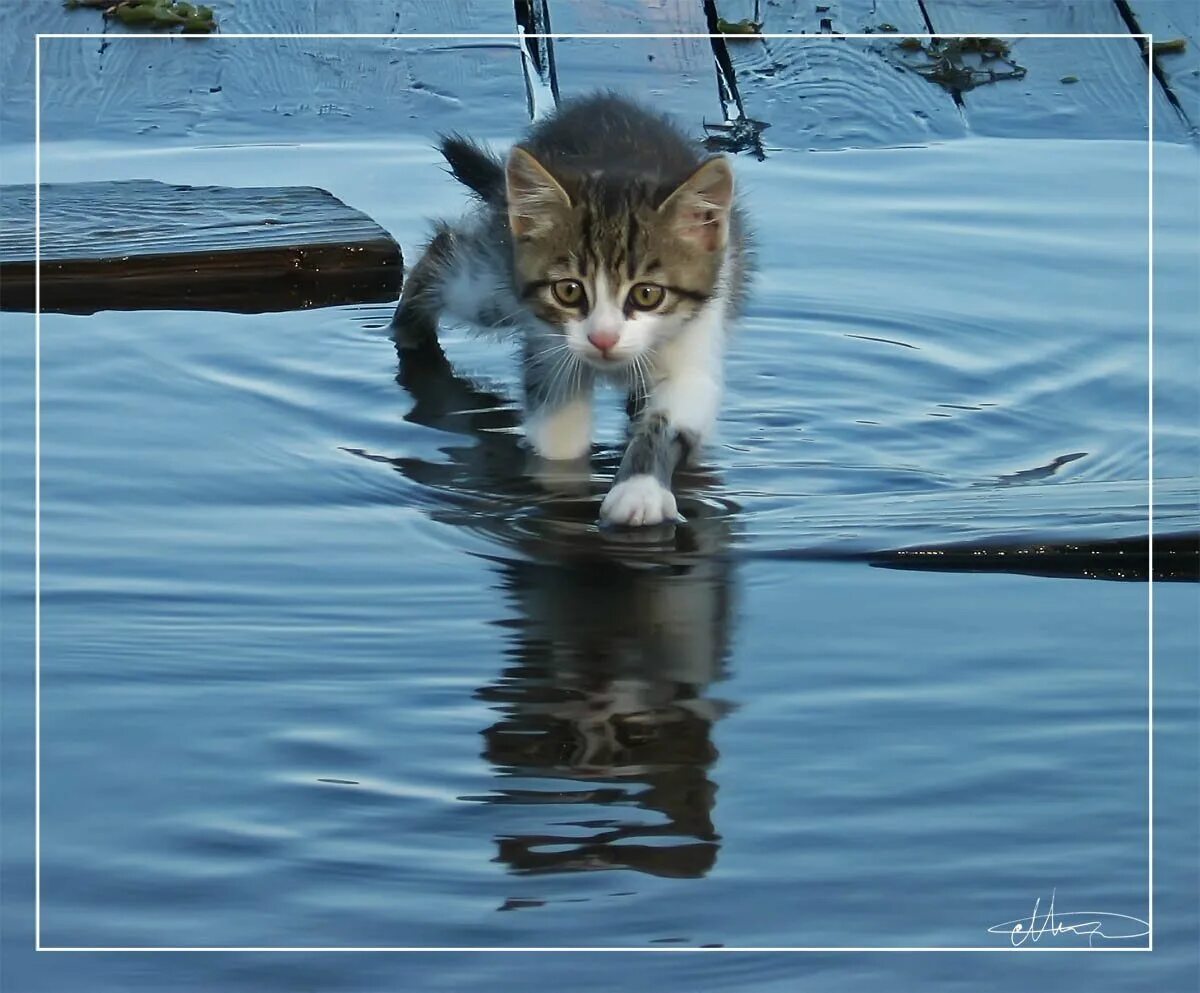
[612, 247]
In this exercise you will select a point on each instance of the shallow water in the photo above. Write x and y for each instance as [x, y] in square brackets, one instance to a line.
[322, 665]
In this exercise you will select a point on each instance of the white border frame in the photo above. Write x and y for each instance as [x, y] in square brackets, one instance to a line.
[1147, 38]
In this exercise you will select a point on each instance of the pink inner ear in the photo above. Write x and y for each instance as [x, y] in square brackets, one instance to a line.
[701, 225]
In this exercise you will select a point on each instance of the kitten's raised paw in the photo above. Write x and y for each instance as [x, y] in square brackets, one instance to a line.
[637, 501]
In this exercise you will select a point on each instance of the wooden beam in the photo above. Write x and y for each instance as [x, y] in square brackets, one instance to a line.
[144, 245]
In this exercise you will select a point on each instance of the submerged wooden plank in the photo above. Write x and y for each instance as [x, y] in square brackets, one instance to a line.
[826, 16]
[141, 245]
[819, 92]
[20, 24]
[114, 88]
[674, 75]
[1073, 87]
[1176, 558]
[1178, 69]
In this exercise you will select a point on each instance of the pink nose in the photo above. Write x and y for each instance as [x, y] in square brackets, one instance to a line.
[603, 340]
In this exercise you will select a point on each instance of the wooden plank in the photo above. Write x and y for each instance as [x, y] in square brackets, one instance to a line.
[267, 89]
[820, 92]
[142, 245]
[1108, 98]
[1178, 71]
[674, 75]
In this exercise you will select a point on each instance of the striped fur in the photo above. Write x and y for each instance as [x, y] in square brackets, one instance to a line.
[602, 207]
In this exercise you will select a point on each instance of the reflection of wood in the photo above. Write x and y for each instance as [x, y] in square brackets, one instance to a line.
[1109, 99]
[145, 245]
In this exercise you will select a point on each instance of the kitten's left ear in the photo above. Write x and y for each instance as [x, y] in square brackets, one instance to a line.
[535, 199]
[699, 207]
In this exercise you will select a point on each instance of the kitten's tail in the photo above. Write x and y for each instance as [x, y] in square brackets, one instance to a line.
[475, 167]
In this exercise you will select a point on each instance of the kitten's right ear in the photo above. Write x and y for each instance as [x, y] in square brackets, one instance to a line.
[535, 200]
[699, 207]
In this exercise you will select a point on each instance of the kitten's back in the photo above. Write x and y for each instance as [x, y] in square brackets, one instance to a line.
[606, 133]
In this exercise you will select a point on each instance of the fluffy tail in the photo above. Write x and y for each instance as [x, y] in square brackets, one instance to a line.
[475, 167]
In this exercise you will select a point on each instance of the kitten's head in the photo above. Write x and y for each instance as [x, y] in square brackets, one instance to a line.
[618, 263]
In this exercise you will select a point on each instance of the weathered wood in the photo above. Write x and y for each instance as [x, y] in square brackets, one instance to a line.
[675, 75]
[144, 245]
[1108, 98]
[1177, 71]
[820, 92]
[266, 89]
[827, 16]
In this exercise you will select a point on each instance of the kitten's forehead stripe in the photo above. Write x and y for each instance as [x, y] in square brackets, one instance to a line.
[630, 247]
[585, 239]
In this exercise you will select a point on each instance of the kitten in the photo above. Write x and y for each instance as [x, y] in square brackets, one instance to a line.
[613, 248]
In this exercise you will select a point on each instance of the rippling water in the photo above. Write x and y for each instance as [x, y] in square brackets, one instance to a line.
[323, 664]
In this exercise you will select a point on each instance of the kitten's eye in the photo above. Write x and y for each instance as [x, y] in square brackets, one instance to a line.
[568, 292]
[646, 296]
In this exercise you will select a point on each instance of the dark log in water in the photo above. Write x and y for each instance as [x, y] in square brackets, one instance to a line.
[1176, 558]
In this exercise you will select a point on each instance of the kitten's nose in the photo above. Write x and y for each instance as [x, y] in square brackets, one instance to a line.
[603, 340]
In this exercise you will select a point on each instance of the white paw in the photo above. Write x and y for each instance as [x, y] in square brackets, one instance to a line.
[639, 500]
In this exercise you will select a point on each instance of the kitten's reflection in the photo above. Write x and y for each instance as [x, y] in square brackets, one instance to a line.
[610, 665]
[614, 644]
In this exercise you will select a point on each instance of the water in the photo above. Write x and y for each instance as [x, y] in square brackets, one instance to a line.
[322, 666]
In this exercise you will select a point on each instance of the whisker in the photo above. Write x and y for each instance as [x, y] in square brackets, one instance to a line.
[541, 356]
[563, 369]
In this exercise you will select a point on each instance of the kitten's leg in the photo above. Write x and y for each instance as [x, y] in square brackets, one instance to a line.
[416, 317]
[679, 416]
[642, 493]
[558, 405]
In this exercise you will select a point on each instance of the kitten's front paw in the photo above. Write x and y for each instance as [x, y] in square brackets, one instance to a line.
[639, 500]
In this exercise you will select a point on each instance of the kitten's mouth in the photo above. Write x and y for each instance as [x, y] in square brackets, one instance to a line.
[608, 360]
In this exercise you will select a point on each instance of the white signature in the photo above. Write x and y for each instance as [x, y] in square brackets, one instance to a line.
[1094, 925]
